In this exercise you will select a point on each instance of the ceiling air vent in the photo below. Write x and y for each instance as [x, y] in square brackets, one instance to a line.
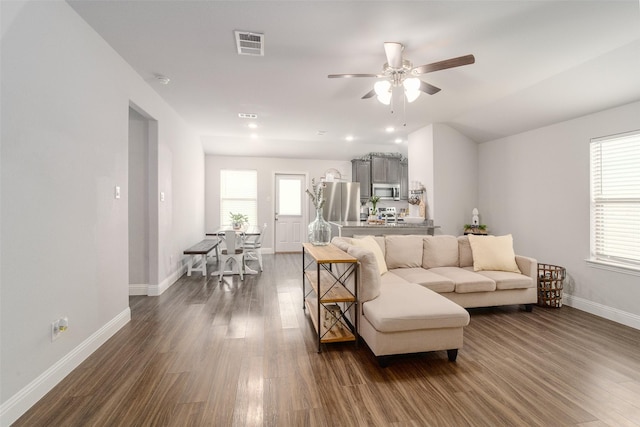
[249, 43]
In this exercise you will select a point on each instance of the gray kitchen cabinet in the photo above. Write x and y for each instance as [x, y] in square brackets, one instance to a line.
[361, 172]
[385, 170]
[404, 180]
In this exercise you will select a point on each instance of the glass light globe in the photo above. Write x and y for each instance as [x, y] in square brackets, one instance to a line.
[411, 88]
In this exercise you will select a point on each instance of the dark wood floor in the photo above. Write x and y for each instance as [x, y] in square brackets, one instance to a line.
[243, 353]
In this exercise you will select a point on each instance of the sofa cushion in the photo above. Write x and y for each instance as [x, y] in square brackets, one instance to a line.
[426, 278]
[378, 239]
[391, 279]
[407, 306]
[509, 280]
[439, 251]
[493, 253]
[465, 256]
[403, 251]
[370, 244]
[466, 281]
[369, 275]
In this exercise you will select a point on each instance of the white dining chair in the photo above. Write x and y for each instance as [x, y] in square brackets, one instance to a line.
[233, 251]
[252, 246]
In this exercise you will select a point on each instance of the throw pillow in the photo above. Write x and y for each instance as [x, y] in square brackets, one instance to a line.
[370, 244]
[493, 253]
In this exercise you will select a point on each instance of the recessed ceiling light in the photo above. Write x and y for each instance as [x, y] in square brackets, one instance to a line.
[389, 129]
[398, 140]
[349, 138]
[252, 126]
[163, 79]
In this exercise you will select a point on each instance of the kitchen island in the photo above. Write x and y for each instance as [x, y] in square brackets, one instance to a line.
[352, 228]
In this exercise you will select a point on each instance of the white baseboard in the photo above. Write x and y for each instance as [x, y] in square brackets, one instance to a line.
[18, 404]
[610, 313]
[155, 290]
[138, 289]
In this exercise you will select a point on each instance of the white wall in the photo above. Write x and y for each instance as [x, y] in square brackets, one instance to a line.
[535, 185]
[138, 199]
[456, 179]
[64, 247]
[267, 168]
[446, 162]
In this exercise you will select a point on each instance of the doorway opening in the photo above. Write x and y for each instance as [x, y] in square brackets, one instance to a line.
[142, 206]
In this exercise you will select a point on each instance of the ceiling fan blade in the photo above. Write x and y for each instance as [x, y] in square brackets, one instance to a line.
[394, 54]
[443, 65]
[348, 76]
[369, 94]
[427, 88]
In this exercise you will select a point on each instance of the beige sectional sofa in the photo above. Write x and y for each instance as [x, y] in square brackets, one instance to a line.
[413, 288]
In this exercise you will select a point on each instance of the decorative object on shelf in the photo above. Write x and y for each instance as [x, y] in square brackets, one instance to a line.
[422, 209]
[237, 220]
[319, 229]
[332, 314]
[331, 175]
[415, 193]
[475, 227]
[470, 229]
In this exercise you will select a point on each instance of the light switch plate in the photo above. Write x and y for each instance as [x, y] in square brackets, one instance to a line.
[162, 196]
[117, 192]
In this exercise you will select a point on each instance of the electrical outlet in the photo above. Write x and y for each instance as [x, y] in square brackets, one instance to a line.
[58, 327]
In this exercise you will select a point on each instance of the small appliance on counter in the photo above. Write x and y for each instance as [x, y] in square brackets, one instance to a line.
[364, 212]
[388, 214]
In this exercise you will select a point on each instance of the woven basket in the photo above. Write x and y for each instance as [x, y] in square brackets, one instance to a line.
[550, 282]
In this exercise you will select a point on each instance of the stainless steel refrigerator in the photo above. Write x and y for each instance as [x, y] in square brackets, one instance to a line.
[342, 201]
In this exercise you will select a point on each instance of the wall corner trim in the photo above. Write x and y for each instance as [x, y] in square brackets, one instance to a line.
[18, 404]
[156, 290]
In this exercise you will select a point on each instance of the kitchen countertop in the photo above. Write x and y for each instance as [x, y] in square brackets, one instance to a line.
[365, 224]
[351, 228]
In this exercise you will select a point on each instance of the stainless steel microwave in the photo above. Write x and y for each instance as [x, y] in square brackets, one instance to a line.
[386, 191]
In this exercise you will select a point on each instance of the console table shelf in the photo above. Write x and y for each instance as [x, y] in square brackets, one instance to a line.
[327, 298]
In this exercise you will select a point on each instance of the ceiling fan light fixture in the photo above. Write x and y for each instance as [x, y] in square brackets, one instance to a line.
[382, 88]
[411, 88]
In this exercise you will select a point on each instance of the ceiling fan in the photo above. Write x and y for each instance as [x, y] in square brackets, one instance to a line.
[400, 72]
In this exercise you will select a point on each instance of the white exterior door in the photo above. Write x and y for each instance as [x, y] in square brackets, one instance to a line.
[290, 226]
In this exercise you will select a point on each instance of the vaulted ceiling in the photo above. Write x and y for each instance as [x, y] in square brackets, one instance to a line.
[537, 63]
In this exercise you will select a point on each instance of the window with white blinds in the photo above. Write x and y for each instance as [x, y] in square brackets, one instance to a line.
[615, 199]
[238, 194]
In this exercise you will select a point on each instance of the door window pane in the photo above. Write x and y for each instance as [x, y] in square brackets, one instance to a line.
[290, 193]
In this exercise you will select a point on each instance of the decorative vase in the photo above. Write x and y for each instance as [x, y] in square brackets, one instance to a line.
[319, 230]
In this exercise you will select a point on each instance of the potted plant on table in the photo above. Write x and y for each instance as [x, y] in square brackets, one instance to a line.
[237, 220]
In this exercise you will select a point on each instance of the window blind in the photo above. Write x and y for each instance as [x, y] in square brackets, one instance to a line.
[238, 194]
[615, 199]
